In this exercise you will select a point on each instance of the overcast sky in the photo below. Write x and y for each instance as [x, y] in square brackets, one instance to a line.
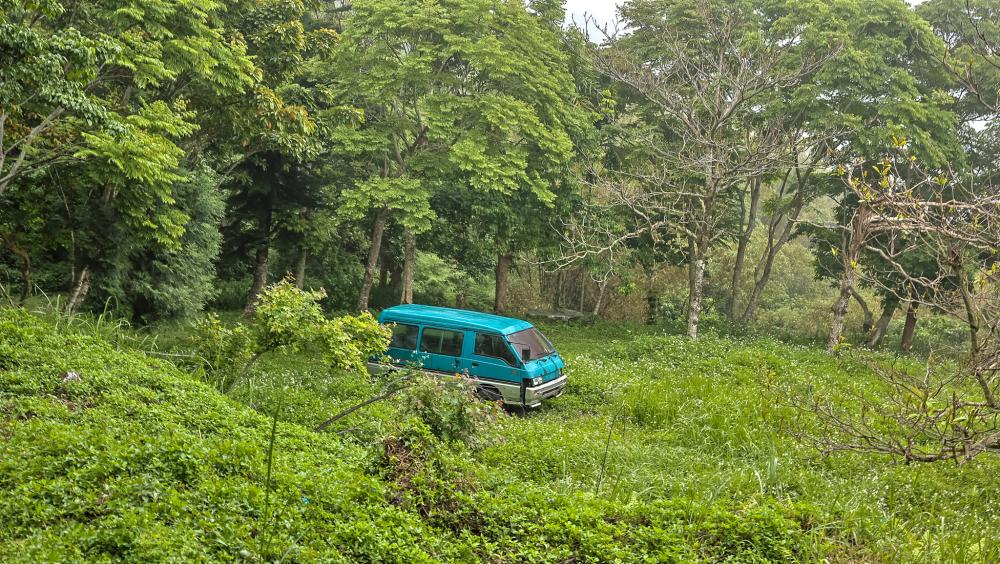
[604, 10]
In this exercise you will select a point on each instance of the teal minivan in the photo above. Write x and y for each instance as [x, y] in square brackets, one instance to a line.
[509, 359]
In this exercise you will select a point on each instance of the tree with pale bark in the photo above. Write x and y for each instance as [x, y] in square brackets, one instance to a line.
[946, 410]
[714, 78]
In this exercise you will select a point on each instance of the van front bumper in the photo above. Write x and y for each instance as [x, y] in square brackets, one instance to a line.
[508, 392]
[533, 396]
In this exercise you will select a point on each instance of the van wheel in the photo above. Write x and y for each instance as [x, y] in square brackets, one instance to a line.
[516, 409]
[488, 393]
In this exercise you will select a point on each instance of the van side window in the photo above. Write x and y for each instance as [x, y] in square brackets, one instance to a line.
[404, 337]
[494, 345]
[442, 341]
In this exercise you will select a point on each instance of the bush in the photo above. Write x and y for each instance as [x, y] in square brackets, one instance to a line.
[695, 448]
[127, 458]
[449, 408]
[287, 320]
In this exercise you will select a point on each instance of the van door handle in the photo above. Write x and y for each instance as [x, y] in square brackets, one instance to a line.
[475, 364]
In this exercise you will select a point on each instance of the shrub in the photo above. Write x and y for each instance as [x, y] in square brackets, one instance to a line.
[449, 407]
[130, 459]
[287, 320]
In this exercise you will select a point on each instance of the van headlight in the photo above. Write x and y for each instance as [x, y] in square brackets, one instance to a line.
[537, 381]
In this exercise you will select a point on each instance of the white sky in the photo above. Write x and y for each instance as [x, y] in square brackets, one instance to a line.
[604, 10]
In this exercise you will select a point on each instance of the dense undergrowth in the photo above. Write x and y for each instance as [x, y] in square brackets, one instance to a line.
[661, 450]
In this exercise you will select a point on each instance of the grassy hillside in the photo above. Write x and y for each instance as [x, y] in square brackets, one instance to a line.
[710, 421]
[661, 450]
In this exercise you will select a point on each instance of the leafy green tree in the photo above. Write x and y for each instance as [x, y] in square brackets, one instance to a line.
[73, 71]
[98, 91]
[477, 93]
[153, 281]
[970, 52]
[275, 130]
[910, 104]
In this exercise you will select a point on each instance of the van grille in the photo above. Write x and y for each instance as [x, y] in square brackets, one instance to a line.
[554, 391]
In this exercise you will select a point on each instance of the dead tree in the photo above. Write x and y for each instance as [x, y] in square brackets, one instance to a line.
[941, 412]
[707, 85]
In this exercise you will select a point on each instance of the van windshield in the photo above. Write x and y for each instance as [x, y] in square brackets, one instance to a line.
[532, 340]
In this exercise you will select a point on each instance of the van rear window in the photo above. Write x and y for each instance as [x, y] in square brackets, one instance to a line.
[442, 341]
[404, 337]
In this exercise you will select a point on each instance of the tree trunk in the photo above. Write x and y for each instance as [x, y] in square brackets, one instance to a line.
[504, 260]
[840, 308]
[982, 368]
[409, 258]
[601, 289]
[692, 252]
[373, 251]
[25, 265]
[906, 342]
[300, 268]
[395, 275]
[741, 249]
[260, 260]
[850, 250]
[79, 292]
[762, 274]
[876, 336]
[383, 272]
[557, 302]
[869, 322]
[697, 269]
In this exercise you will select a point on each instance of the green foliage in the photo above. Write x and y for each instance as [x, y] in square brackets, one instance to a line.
[100, 486]
[287, 318]
[437, 281]
[150, 281]
[397, 194]
[449, 408]
[286, 321]
[59, 94]
[222, 351]
[702, 464]
[470, 117]
[167, 148]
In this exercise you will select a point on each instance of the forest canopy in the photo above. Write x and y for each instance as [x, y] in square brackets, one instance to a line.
[165, 157]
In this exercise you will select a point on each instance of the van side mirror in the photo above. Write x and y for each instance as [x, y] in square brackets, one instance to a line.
[525, 355]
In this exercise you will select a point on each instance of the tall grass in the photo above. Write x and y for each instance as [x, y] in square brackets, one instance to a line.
[711, 421]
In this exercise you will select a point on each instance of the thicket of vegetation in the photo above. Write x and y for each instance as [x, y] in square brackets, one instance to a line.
[160, 157]
[819, 172]
[663, 449]
[108, 453]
